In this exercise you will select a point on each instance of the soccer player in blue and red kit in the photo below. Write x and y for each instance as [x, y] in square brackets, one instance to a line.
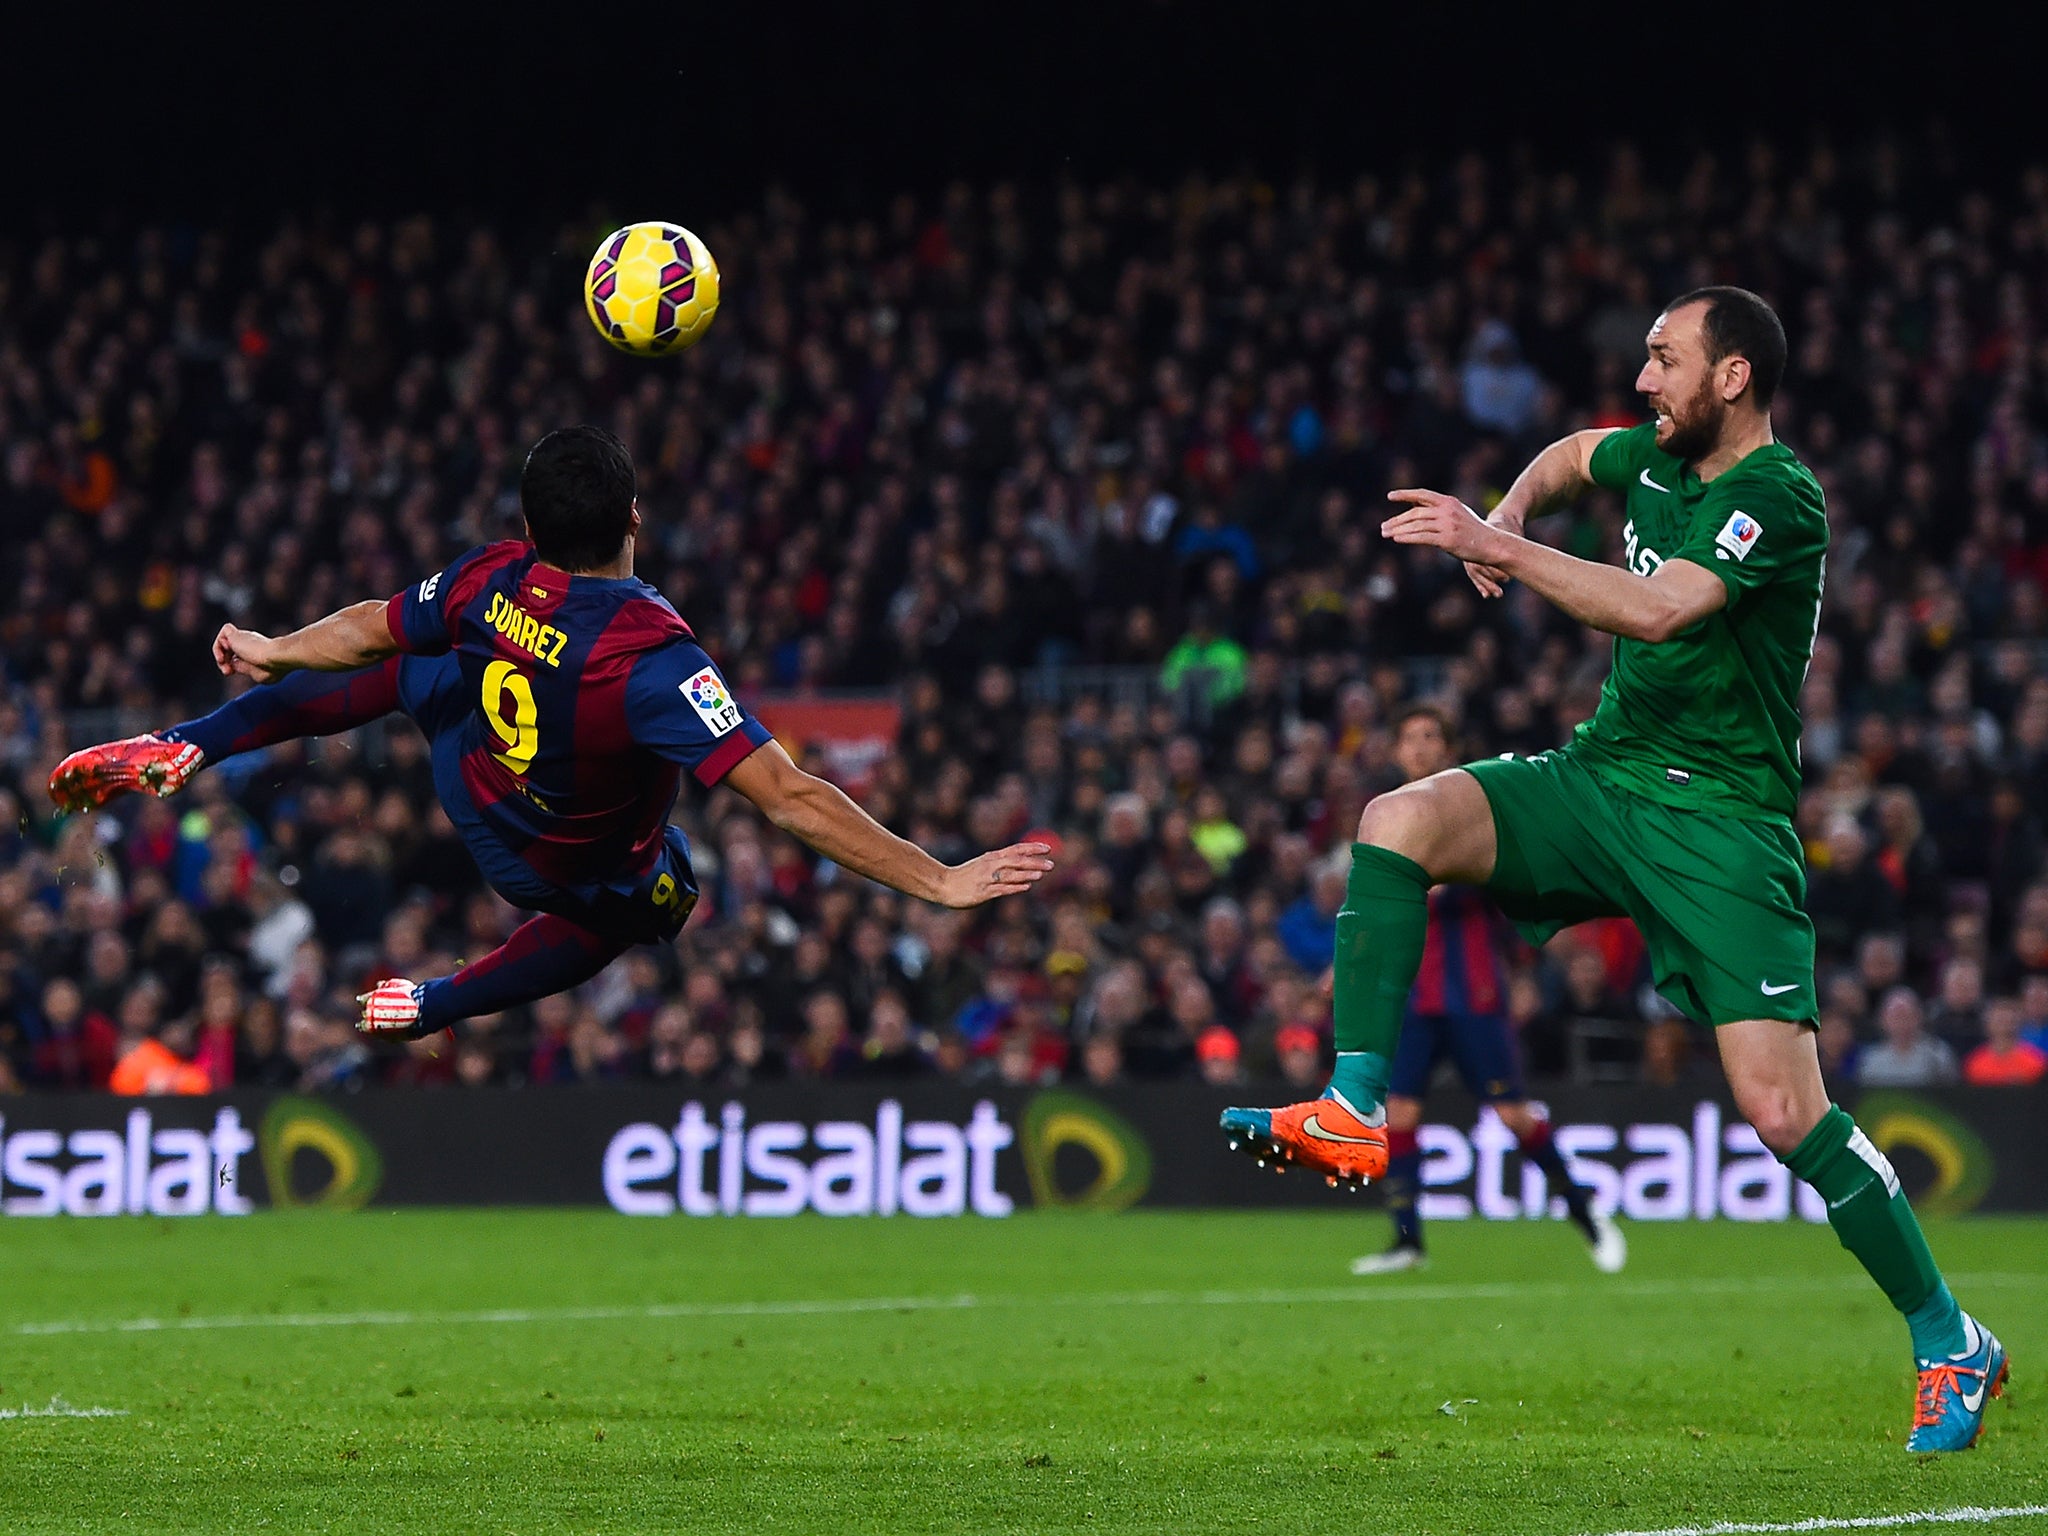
[1459, 1008]
[564, 699]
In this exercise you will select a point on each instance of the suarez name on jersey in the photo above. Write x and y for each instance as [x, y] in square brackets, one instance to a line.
[589, 696]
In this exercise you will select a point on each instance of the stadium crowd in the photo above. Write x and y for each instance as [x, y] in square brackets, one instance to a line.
[1090, 476]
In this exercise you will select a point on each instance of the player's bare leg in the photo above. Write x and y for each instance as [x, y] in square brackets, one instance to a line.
[1423, 834]
[1774, 1068]
[301, 704]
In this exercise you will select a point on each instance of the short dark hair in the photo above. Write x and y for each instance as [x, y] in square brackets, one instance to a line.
[1422, 709]
[577, 492]
[1740, 324]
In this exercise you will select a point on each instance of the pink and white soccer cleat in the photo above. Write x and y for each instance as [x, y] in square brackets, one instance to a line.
[389, 1008]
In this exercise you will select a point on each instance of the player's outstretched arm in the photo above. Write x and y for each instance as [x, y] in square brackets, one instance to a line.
[1561, 472]
[356, 636]
[1652, 608]
[820, 815]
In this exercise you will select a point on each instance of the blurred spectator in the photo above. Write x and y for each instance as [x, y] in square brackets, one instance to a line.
[1846, 895]
[1500, 390]
[1102, 1060]
[1668, 1056]
[1008, 512]
[1308, 928]
[1298, 1051]
[1880, 962]
[2004, 1059]
[751, 1056]
[260, 1059]
[1213, 662]
[1958, 1016]
[151, 1067]
[77, 1046]
[1907, 1056]
[1219, 1057]
[2034, 1011]
[827, 1048]
[1839, 1048]
[326, 1051]
[669, 1035]
[1911, 862]
[890, 1049]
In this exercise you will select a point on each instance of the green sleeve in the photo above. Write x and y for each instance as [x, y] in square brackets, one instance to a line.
[1231, 664]
[1619, 455]
[1752, 533]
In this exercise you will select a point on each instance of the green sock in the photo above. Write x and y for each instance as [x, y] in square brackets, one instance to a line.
[1379, 950]
[1871, 1216]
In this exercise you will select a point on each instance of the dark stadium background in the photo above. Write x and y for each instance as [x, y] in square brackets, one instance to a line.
[544, 108]
[230, 132]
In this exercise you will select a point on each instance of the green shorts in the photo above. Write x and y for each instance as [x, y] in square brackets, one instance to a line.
[1721, 903]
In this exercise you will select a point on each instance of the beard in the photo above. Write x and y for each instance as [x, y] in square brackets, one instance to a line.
[1695, 426]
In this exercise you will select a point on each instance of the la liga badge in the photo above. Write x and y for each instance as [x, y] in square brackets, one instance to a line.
[707, 695]
[1739, 534]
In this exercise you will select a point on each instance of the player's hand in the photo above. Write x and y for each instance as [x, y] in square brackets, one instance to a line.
[1446, 523]
[244, 651]
[1004, 872]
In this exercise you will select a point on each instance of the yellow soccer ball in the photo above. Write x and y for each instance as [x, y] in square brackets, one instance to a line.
[651, 289]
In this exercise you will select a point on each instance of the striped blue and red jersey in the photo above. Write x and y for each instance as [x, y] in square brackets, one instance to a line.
[1462, 975]
[590, 697]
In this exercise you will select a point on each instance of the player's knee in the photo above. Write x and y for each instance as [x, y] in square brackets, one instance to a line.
[1779, 1114]
[1516, 1117]
[1405, 820]
[1403, 1113]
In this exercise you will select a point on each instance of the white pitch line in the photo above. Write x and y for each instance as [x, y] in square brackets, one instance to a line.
[836, 1306]
[1967, 1514]
[59, 1409]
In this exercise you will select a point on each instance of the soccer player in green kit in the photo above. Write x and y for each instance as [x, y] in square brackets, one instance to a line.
[1672, 806]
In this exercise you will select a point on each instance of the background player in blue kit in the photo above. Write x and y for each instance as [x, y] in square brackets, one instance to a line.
[1459, 1009]
[564, 699]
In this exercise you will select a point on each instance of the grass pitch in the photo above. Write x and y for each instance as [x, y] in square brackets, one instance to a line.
[1146, 1372]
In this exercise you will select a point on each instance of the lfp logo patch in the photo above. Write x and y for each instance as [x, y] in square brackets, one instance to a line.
[1738, 535]
[707, 695]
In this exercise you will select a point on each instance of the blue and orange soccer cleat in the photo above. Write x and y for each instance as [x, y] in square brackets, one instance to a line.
[93, 776]
[1948, 1409]
[1322, 1135]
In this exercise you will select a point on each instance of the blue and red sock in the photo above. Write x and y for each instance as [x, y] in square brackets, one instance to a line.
[1539, 1148]
[545, 955]
[298, 704]
[1403, 1185]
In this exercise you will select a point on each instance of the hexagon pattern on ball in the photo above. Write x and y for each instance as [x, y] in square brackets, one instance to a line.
[651, 289]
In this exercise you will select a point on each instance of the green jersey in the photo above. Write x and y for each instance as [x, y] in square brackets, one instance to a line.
[1709, 720]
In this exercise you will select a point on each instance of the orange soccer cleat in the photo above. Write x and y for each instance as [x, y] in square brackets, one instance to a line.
[1322, 1135]
[95, 775]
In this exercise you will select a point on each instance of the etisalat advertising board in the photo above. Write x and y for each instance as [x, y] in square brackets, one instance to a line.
[929, 1151]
